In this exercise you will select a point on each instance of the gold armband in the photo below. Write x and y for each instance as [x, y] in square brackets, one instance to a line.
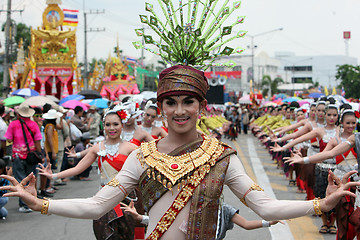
[113, 183]
[45, 206]
[253, 186]
[317, 209]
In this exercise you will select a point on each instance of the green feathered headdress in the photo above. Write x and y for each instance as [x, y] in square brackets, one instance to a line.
[191, 33]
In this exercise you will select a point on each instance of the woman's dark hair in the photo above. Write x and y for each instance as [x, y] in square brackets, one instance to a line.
[344, 107]
[37, 110]
[46, 108]
[125, 99]
[49, 121]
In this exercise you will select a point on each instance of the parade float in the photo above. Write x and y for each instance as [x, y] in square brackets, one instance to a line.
[114, 79]
[51, 66]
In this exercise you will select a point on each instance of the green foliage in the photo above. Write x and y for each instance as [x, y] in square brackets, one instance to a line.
[18, 31]
[350, 79]
[270, 86]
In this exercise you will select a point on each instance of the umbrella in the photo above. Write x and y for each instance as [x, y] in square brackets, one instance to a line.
[90, 94]
[25, 92]
[100, 103]
[71, 97]
[291, 99]
[13, 101]
[40, 101]
[302, 102]
[74, 103]
[55, 99]
[148, 94]
[316, 95]
[245, 99]
[266, 104]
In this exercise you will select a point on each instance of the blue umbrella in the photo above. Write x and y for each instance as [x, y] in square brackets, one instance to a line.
[100, 103]
[316, 95]
[291, 99]
[71, 97]
[25, 92]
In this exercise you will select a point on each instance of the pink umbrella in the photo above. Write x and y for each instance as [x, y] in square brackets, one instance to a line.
[302, 102]
[74, 103]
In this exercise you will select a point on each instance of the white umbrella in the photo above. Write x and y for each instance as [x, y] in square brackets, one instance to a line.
[40, 101]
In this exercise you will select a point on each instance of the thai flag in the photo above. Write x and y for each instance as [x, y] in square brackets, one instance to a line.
[342, 91]
[131, 60]
[319, 89]
[70, 17]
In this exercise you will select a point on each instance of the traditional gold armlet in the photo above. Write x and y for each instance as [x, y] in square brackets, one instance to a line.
[45, 206]
[317, 209]
[115, 183]
[253, 186]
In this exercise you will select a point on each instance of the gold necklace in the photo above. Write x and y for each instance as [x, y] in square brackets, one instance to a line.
[173, 169]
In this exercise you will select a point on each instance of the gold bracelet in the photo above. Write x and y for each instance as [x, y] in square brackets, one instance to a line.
[45, 206]
[317, 209]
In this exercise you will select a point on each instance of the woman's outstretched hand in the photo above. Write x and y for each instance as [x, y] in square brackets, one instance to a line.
[71, 152]
[26, 192]
[336, 189]
[277, 148]
[45, 171]
[295, 158]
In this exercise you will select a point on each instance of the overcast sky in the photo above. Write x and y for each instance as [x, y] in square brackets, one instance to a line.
[310, 27]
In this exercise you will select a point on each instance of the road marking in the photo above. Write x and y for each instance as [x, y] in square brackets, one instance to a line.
[279, 187]
[278, 231]
[245, 162]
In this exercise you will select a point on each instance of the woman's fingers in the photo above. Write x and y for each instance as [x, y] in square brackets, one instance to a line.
[347, 175]
[27, 179]
[8, 188]
[11, 179]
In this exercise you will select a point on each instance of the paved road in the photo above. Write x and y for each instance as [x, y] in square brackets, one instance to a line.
[258, 164]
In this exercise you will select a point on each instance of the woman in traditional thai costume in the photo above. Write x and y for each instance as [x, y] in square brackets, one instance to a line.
[110, 155]
[323, 136]
[341, 148]
[131, 132]
[313, 146]
[170, 170]
[151, 111]
[181, 176]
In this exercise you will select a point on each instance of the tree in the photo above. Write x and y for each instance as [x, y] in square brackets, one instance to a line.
[350, 79]
[18, 31]
[270, 86]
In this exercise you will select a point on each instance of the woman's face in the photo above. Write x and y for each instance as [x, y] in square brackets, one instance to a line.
[149, 117]
[182, 112]
[331, 116]
[320, 111]
[312, 113]
[349, 123]
[112, 126]
[130, 121]
[300, 115]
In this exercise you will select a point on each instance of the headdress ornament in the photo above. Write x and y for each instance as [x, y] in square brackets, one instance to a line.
[191, 32]
[344, 111]
[121, 111]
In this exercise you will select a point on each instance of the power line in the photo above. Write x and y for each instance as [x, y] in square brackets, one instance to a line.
[86, 30]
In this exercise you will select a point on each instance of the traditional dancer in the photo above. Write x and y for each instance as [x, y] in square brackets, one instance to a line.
[183, 166]
[341, 148]
[111, 155]
[323, 136]
[150, 114]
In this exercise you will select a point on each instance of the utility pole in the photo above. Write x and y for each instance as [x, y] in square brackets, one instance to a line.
[253, 47]
[86, 30]
[7, 46]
